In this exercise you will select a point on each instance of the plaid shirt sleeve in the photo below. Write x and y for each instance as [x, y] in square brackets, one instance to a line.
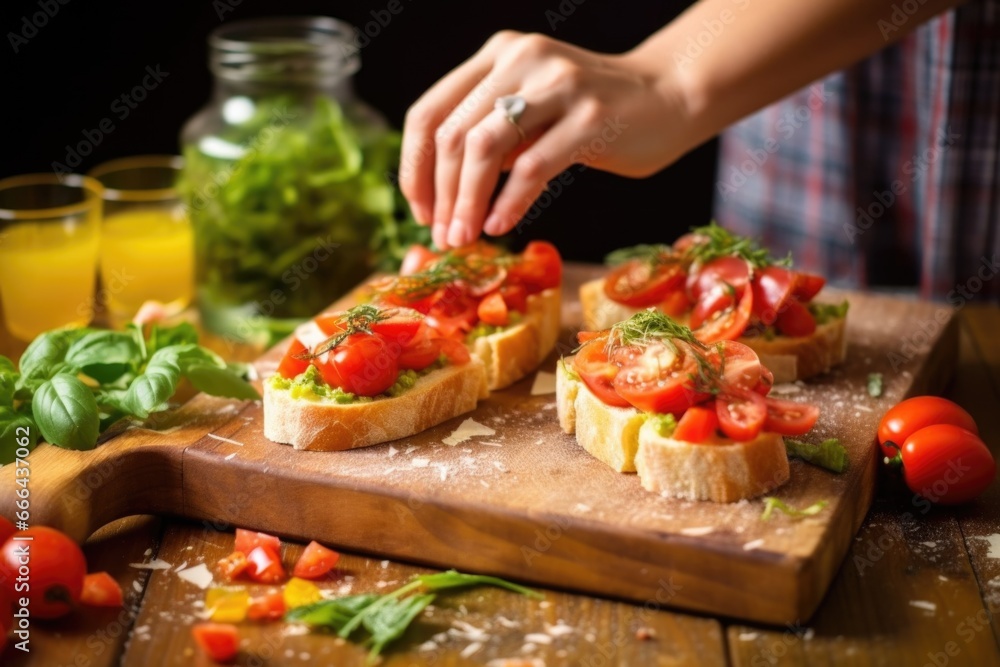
[885, 174]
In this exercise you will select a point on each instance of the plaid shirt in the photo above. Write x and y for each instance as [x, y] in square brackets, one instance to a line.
[887, 173]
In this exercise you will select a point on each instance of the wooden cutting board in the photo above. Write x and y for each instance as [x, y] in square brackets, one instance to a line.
[527, 502]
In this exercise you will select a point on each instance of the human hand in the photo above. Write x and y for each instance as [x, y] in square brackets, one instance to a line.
[611, 112]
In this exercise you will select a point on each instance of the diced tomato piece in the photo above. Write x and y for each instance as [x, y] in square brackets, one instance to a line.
[416, 259]
[316, 561]
[290, 366]
[790, 417]
[795, 320]
[493, 310]
[247, 540]
[741, 414]
[455, 351]
[232, 566]
[422, 351]
[539, 267]
[269, 607]
[264, 566]
[585, 336]
[399, 326]
[101, 590]
[219, 641]
[697, 424]
[807, 285]
[516, 297]
[676, 303]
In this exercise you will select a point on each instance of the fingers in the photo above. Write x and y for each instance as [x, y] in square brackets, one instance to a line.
[416, 170]
[488, 146]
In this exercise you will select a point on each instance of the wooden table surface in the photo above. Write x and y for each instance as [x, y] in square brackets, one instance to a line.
[917, 588]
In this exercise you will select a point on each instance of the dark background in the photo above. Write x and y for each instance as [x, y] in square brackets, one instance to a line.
[63, 81]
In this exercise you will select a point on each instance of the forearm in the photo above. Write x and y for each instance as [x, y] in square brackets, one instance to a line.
[727, 58]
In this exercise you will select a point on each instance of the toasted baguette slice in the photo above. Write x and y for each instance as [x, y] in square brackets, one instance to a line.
[720, 471]
[513, 353]
[323, 425]
[790, 358]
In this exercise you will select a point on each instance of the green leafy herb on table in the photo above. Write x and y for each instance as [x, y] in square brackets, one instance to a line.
[73, 384]
[384, 618]
[829, 454]
[771, 503]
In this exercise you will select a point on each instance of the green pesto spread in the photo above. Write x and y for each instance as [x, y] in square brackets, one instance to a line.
[569, 370]
[482, 329]
[664, 425]
[824, 312]
[309, 385]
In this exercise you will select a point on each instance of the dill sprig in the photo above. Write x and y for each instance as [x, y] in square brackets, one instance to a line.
[652, 254]
[450, 268]
[718, 242]
[358, 319]
[648, 326]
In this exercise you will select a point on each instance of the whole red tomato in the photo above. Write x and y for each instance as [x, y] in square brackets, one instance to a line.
[6, 529]
[947, 464]
[54, 568]
[915, 413]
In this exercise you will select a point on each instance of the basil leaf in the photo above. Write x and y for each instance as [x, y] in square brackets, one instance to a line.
[15, 426]
[829, 454]
[333, 614]
[452, 579]
[45, 356]
[8, 382]
[161, 337]
[150, 391]
[66, 413]
[104, 355]
[219, 382]
[392, 619]
[135, 331]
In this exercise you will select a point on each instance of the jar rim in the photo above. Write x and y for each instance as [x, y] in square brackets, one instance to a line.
[284, 49]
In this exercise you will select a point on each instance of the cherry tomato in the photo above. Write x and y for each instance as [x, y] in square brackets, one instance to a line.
[728, 324]
[361, 364]
[6, 616]
[481, 279]
[741, 367]
[947, 464]
[807, 285]
[591, 363]
[741, 414]
[6, 529]
[452, 311]
[766, 382]
[795, 319]
[659, 380]
[516, 297]
[232, 566]
[915, 413]
[422, 350]
[264, 566]
[268, 607]
[639, 284]
[290, 366]
[539, 268]
[493, 310]
[57, 570]
[316, 561]
[455, 351]
[772, 286]
[789, 417]
[248, 540]
[586, 336]
[219, 641]
[416, 259]
[330, 323]
[399, 326]
[718, 299]
[697, 424]
[731, 274]
[675, 304]
[101, 590]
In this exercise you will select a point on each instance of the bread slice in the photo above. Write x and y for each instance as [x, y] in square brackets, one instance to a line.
[323, 425]
[790, 358]
[518, 350]
[625, 439]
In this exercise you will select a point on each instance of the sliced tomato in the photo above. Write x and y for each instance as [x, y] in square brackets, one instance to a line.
[728, 273]
[316, 561]
[290, 366]
[329, 323]
[416, 259]
[688, 241]
[452, 311]
[715, 300]
[399, 326]
[789, 417]
[772, 286]
[697, 424]
[675, 304]
[538, 268]
[807, 285]
[455, 351]
[268, 607]
[741, 414]
[516, 297]
[481, 279]
[640, 284]
[584, 336]
[361, 364]
[659, 380]
[766, 382]
[728, 324]
[493, 310]
[232, 566]
[795, 319]
[101, 590]
[264, 566]
[248, 540]
[421, 351]
[591, 363]
[741, 367]
[219, 641]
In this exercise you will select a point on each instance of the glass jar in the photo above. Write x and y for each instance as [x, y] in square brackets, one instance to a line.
[285, 176]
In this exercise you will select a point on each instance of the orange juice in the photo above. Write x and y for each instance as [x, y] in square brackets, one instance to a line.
[47, 275]
[146, 254]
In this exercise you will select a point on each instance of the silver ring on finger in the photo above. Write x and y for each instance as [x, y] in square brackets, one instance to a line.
[512, 107]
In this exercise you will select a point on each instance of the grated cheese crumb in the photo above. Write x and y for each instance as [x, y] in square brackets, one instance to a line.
[545, 383]
[197, 575]
[469, 428]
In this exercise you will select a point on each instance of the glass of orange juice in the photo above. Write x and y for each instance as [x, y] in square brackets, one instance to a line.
[49, 235]
[147, 247]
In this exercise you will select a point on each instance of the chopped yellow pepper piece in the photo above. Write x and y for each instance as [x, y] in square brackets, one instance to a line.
[299, 592]
[227, 605]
